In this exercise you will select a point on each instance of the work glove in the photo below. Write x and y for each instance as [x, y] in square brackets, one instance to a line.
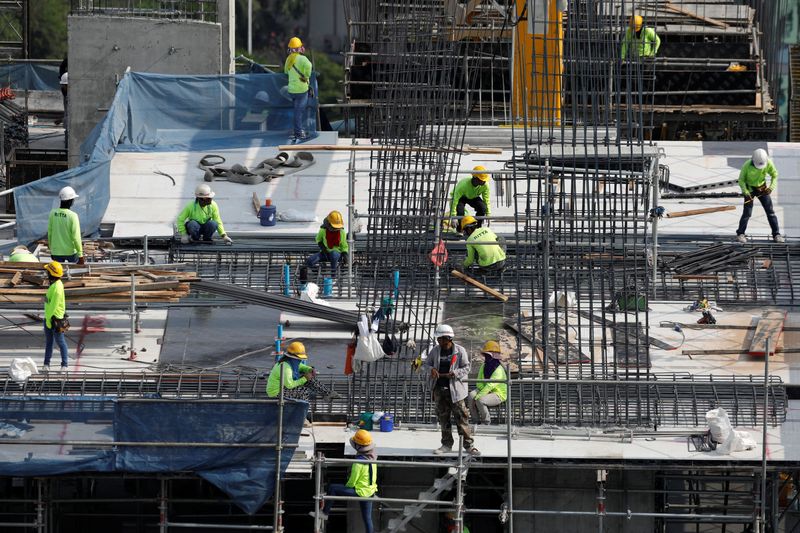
[81, 260]
[344, 257]
[227, 239]
[185, 239]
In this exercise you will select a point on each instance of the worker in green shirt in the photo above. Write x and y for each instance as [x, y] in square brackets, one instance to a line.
[483, 247]
[64, 230]
[473, 192]
[21, 254]
[639, 41]
[298, 69]
[55, 312]
[451, 523]
[298, 377]
[487, 395]
[363, 480]
[753, 183]
[332, 242]
[200, 218]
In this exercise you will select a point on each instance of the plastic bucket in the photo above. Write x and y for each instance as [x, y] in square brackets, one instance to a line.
[327, 287]
[267, 215]
[365, 421]
[387, 422]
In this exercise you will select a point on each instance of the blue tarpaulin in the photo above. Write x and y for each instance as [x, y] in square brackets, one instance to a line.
[29, 76]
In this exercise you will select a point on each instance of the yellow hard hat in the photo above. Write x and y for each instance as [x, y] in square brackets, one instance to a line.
[334, 218]
[491, 346]
[295, 42]
[362, 437]
[467, 220]
[55, 269]
[480, 173]
[636, 22]
[297, 350]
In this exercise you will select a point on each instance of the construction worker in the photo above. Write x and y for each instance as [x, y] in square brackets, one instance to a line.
[473, 192]
[21, 254]
[200, 218]
[490, 256]
[332, 241]
[298, 68]
[64, 230]
[448, 365]
[485, 394]
[298, 377]
[451, 523]
[753, 183]
[55, 312]
[363, 480]
[639, 41]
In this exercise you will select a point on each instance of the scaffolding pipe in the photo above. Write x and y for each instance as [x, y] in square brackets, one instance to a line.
[219, 526]
[762, 514]
[276, 496]
[318, 496]
[628, 514]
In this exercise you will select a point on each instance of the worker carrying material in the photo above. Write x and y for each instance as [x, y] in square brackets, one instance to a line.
[298, 378]
[487, 395]
[298, 69]
[363, 480]
[448, 366]
[473, 192]
[639, 41]
[64, 230]
[21, 254]
[753, 183]
[55, 315]
[200, 219]
[483, 247]
[332, 241]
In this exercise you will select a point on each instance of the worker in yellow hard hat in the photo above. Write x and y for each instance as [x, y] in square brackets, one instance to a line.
[332, 241]
[55, 314]
[200, 218]
[298, 69]
[484, 247]
[363, 480]
[487, 395]
[473, 192]
[299, 378]
[639, 41]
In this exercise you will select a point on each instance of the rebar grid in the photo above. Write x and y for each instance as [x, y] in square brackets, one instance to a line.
[197, 10]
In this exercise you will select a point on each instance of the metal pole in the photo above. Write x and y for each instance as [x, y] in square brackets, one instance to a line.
[277, 510]
[601, 498]
[145, 250]
[510, 462]
[40, 525]
[162, 507]
[762, 515]
[654, 175]
[318, 497]
[351, 206]
[459, 488]
[132, 351]
[250, 27]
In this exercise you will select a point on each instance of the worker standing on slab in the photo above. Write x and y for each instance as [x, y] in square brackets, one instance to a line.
[298, 68]
[298, 378]
[332, 241]
[473, 192]
[363, 480]
[639, 41]
[753, 182]
[449, 365]
[21, 254]
[483, 247]
[487, 395]
[55, 312]
[200, 218]
[64, 230]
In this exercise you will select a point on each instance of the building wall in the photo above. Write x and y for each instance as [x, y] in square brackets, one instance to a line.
[327, 27]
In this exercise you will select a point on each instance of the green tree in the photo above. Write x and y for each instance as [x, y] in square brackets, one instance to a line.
[48, 28]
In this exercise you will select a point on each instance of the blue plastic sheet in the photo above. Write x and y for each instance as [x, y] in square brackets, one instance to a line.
[30, 76]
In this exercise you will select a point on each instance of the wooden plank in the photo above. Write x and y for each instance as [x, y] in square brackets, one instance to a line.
[86, 291]
[675, 9]
[692, 212]
[376, 148]
[770, 326]
[16, 279]
[256, 203]
[488, 290]
[35, 279]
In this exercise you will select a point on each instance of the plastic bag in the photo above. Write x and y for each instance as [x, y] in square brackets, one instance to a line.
[294, 215]
[719, 424]
[22, 368]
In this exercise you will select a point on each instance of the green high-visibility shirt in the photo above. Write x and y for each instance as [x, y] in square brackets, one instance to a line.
[486, 254]
[64, 233]
[646, 45]
[55, 305]
[274, 380]
[23, 257]
[466, 189]
[360, 479]
[194, 211]
[296, 85]
[342, 247]
[751, 177]
[501, 389]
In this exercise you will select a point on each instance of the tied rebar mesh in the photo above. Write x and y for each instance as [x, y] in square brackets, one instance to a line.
[196, 10]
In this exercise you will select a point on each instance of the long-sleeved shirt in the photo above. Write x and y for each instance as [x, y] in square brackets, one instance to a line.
[342, 247]
[466, 189]
[274, 380]
[485, 254]
[751, 177]
[646, 45]
[501, 389]
[55, 305]
[23, 257]
[360, 479]
[194, 211]
[296, 85]
[64, 232]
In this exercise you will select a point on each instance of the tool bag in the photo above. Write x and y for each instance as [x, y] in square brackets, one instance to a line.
[304, 80]
[61, 325]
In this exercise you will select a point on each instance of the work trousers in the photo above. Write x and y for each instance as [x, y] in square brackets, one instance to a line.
[446, 410]
[337, 489]
[50, 335]
[747, 212]
[197, 231]
[300, 103]
[65, 258]
[479, 409]
[476, 203]
[332, 257]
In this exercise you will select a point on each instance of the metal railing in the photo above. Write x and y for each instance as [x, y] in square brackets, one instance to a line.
[198, 10]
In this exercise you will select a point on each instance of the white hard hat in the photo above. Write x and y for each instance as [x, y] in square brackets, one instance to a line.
[760, 158]
[203, 191]
[443, 330]
[20, 248]
[67, 193]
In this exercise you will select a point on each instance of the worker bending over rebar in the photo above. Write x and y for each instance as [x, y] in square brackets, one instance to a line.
[299, 379]
[484, 247]
[753, 183]
[473, 192]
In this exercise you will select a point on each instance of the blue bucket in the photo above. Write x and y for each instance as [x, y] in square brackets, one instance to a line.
[327, 287]
[267, 214]
[387, 423]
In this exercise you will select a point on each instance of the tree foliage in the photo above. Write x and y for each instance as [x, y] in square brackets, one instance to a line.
[48, 28]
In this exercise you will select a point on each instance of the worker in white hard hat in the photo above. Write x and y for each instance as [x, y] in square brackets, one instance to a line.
[298, 69]
[64, 230]
[449, 365]
[639, 41]
[753, 183]
[200, 219]
[473, 192]
[21, 254]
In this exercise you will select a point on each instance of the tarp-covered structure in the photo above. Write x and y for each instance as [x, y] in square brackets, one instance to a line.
[158, 112]
[45, 436]
[29, 76]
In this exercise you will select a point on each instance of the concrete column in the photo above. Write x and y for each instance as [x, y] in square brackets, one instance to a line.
[226, 17]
